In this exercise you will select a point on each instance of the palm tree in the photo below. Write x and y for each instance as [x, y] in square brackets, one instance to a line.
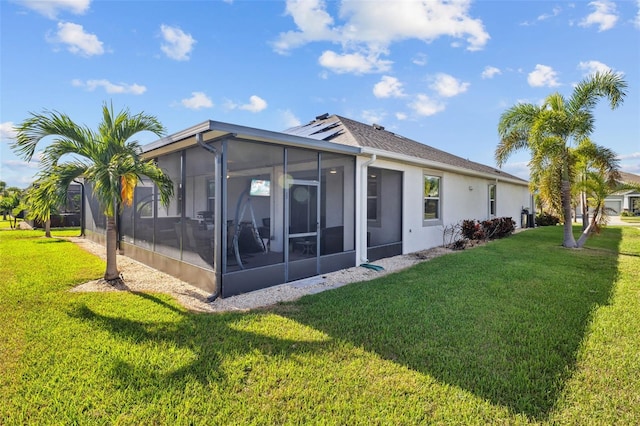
[106, 158]
[550, 130]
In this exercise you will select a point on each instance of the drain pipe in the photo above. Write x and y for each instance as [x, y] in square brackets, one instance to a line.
[363, 209]
[212, 150]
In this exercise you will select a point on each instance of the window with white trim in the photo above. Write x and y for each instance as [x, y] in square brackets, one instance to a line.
[431, 192]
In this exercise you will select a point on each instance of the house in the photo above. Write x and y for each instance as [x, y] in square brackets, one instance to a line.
[255, 208]
[626, 200]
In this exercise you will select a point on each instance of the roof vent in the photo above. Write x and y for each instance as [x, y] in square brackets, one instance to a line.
[377, 126]
[323, 116]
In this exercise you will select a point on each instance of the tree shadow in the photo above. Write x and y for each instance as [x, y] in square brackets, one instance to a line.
[209, 338]
[510, 337]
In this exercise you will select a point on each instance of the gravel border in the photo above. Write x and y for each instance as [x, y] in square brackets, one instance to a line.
[142, 278]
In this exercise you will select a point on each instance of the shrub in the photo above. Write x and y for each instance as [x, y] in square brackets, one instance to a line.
[546, 219]
[488, 229]
[472, 230]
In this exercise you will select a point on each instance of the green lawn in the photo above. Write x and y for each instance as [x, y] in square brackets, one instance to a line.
[630, 219]
[519, 331]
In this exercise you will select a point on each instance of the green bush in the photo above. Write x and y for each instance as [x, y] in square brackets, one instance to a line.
[547, 219]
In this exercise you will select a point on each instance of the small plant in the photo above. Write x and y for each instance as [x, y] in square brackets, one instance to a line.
[547, 219]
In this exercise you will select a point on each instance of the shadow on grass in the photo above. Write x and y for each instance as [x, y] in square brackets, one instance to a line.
[209, 339]
[504, 321]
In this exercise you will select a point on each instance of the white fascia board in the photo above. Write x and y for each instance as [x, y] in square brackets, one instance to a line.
[439, 166]
[251, 133]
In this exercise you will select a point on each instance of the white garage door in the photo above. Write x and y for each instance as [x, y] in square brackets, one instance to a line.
[615, 205]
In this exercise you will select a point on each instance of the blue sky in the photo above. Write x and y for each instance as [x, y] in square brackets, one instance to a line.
[437, 72]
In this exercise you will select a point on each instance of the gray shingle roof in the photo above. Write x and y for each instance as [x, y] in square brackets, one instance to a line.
[345, 131]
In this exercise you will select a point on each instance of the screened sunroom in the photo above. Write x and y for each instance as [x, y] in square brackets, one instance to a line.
[251, 209]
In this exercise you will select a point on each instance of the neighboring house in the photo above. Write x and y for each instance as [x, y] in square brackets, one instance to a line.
[256, 208]
[627, 200]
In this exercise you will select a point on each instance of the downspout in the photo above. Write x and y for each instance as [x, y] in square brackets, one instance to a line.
[363, 209]
[82, 225]
[212, 150]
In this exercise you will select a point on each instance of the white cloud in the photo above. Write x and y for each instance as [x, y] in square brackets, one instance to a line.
[490, 72]
[7, 131]
[519, 168]
[543, 76]
[77, 40]
[555, 12]
[109, 87]
[592, 67]
[426, 106]
[371, 116]
[632, 155]
[636, 21]
[256, 104]
[388, 87]
[51, 8]
[604, 16]
[197, 100]
[630, 162]
[420, 59]
[178, 44]
[370, 27]
[401, 116]
[289, 119]
[354, 63]
[448, 86]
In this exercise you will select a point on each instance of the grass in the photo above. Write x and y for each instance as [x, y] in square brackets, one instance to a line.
[630, 219]
[519, 331]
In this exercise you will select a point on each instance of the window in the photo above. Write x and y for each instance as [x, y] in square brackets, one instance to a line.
[373, 196]
[492, 200]
[431, 197]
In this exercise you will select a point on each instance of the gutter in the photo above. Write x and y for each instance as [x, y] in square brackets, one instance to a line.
[218, 287]
[363, 208]
[442, 166]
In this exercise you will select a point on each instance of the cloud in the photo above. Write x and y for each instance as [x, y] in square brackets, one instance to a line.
[604, 16]
[289, 119]
[77, 40]
[545, 16]
[51, 8]
[256, 104]
[592, 67]
[420, 59]
[401, 116]
[197, 100]
[426, 106]
[388, 87]
[7, 131]
[520, 169]
[630, 162]
[448, 86]
[369, 28]
[354, 63]
[120, 88]
[636, 22]
[543, 76]
[371, 116]
[490, 72]
[178, 45]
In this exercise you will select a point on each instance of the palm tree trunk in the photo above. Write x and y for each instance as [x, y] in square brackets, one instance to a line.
[111, 273]
[569, 240]
[47, 228]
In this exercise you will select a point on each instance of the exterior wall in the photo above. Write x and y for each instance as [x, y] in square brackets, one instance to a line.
[461, 197]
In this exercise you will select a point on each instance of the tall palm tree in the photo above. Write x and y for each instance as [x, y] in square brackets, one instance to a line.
[550, 130]
[106, 158]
